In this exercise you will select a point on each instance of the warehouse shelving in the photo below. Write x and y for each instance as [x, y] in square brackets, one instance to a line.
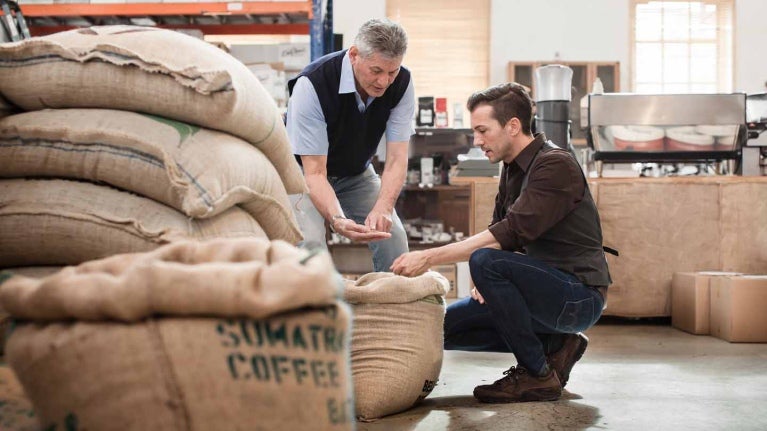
[247, 17]
[296, 17]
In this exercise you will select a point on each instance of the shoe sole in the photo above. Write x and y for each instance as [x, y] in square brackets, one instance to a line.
[530, 396]
[578, 355]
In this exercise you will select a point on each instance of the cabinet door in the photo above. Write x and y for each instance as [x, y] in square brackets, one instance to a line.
[521, 73]
[449, 205]
[609, 74]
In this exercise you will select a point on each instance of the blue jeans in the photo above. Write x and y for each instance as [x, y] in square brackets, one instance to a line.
[527, 304]
[357, 195]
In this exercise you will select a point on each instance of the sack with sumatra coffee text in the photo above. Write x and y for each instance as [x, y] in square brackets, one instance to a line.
[226, 334]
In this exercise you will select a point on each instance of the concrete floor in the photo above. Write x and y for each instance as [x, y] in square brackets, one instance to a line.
[634, 376]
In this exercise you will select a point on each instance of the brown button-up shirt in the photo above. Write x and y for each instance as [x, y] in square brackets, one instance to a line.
[555, 186]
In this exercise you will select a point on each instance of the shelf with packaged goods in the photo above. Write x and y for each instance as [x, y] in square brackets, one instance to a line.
[290, 17]
[429, 131]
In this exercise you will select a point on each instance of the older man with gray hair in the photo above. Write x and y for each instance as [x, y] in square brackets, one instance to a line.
[340, 107]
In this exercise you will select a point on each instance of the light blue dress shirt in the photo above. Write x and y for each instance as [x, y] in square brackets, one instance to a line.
[306, 124]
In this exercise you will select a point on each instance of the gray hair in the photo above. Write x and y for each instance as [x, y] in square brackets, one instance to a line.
[381, 36]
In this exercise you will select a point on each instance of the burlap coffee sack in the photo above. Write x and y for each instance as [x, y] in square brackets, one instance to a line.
[149, 70]
[285, 372]
[221, 334]
[16, 413]
[6, 108]
[197, 171]
[5, 318]
[57, 222]
[396, 341]
[225, 277]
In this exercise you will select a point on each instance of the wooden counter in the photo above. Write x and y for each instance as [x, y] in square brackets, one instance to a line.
[482, 200]
[664, 225]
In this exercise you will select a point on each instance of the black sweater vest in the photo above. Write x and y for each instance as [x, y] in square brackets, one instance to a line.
[353, 136]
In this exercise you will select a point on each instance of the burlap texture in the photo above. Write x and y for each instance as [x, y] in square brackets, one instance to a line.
[189, 373]
[224, 277]
[16, 413]
[396, 340]
[150, 70]
[5, 318]
[34, 271]
[197, 171]
[223, 334]
[6, 108]
[686, 224]
[57, 222]
[743, 226]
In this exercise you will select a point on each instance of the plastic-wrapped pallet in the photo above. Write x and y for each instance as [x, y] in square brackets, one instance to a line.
[149, 70]
[396, 341]
[192, 336]
[197, 171]
[58, 222]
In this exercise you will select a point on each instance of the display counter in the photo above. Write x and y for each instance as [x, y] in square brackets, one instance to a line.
[666, 225]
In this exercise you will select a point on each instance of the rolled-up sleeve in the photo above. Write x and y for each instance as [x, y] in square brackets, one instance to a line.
[555, 186]
[307, 129]
[399, 127]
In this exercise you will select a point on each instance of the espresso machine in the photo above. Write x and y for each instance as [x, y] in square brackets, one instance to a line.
[754, 160]
[666, 128]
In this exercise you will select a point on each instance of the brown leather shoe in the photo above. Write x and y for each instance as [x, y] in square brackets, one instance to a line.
[563, 359]
[518, 385]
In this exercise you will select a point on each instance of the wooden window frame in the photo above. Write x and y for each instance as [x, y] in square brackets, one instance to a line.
[724, 40]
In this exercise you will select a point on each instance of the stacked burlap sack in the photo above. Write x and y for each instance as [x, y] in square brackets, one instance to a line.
[169, 137]
[397, 338]
[6, 108]
[5, 318]
[16, 412]
[225, 334]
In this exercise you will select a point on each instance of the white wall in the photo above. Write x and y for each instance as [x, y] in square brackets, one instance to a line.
[599, 30]
[349, 15]
[751, 46]
[568, 30]
[578, 30]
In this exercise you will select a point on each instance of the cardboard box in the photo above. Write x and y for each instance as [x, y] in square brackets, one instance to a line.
[690, 300]
[738, 307]
[294, 56]
[449, 272]
[463, 283]
[273, 80]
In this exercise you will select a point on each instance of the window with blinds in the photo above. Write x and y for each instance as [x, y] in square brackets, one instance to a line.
[682, 46]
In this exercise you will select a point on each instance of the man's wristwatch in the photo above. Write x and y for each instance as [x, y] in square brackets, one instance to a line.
[333, 221]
